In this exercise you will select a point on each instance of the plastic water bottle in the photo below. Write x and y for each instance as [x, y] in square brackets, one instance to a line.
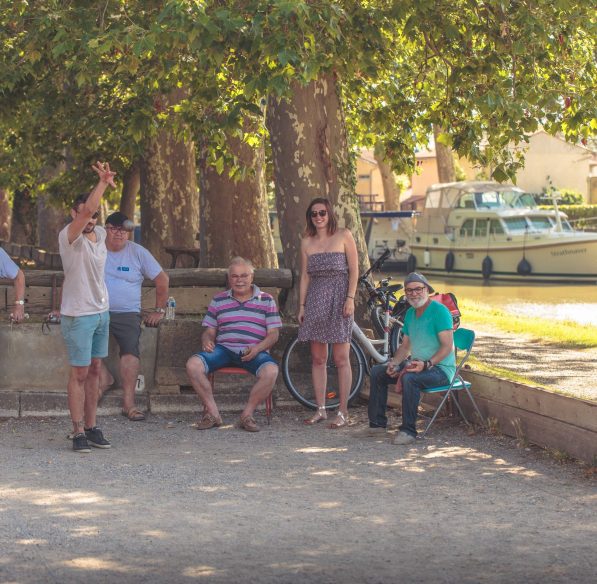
[171, 309]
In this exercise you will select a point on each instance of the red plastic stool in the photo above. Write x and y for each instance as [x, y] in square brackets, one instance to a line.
[239, 371]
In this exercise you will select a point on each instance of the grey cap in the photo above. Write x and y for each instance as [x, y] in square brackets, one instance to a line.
[416, 277]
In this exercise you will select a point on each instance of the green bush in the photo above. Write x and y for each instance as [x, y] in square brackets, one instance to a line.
[583, 217]
[565, 197]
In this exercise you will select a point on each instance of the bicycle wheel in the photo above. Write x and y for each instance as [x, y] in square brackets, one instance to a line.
[296, 369]
[395, 337]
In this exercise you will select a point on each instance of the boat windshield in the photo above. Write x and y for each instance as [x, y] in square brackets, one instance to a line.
[540, 223]
[495, 200]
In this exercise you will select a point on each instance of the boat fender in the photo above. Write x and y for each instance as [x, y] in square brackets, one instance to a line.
[487, 267]
[411, 263]
[449, 262]
[524, 267]
[426, 257]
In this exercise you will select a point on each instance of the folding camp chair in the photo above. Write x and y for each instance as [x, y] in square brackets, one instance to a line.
[463, 341]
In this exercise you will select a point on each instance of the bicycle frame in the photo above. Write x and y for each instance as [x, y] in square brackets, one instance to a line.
[368, 345]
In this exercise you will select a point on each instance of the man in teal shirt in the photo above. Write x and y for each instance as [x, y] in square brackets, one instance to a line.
[425, 358]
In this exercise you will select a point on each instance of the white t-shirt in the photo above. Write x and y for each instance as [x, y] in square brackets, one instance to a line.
[125, 271]
[8, 269]
[84, 291]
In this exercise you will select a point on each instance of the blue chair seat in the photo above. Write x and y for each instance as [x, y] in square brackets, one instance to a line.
[457, 385]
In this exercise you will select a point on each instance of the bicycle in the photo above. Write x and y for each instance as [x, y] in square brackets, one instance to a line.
[382, 302]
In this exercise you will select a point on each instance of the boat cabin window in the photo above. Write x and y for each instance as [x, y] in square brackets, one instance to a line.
[487, 200]
[467, 228]
[540, 223]
[466, 202]
[495, 227]
[516, 224]
[481, 227]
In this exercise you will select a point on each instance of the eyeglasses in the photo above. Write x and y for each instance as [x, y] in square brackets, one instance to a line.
[417, 290]
[115, 228]
[321, 213]
[239, 276]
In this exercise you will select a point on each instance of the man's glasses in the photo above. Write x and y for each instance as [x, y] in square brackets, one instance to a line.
[116, 229]
[321, 213]
[239, 276]
[417, 290]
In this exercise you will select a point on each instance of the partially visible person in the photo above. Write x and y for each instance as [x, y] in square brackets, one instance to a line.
[84, 310]
[242, 325]
[425, 358]
[10, 270]
[329, 275]
[127, 265]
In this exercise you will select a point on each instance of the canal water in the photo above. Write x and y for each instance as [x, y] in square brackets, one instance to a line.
[577, 303]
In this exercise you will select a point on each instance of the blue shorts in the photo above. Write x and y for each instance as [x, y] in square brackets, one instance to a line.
[223, 357]
[86, 337]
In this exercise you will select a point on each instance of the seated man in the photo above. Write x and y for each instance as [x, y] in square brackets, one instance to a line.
[10, 270]
[127, 265]
[241, 326]
[428, 339]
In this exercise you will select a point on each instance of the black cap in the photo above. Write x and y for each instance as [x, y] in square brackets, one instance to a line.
[116, 219]
[416, 277]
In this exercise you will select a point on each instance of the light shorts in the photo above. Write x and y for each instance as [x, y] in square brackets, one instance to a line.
[223, 357]
[125, 327]
[86, 337]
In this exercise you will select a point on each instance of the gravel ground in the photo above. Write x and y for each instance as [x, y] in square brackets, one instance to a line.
[290, 504]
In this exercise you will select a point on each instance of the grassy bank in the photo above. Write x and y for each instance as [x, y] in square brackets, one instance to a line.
[563, 333]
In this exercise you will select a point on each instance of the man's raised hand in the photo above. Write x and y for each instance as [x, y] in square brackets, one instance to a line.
[104, 173]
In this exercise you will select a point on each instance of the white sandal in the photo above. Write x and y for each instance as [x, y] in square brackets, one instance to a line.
[320, 415]
[340, 421]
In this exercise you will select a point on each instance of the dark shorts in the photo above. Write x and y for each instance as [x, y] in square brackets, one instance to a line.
[125, 327]
[223, 357]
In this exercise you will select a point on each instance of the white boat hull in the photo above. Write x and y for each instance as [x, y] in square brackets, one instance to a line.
[565, 257]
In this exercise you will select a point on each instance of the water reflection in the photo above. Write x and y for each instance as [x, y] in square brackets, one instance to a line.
[575, 302]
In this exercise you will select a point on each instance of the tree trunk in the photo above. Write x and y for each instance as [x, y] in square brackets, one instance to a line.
[24, 218]
[311, 159]
[5, 218]
[390, 188]
[50, 221]
[234, 215]
[131, 182]
[169, 198]
[444, 159]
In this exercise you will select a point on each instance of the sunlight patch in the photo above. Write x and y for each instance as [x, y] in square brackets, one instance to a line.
[98, 564]
[31, 541]
[200, 571]
[318, 449]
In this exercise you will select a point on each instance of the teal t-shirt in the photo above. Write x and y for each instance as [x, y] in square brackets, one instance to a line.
[422, 333]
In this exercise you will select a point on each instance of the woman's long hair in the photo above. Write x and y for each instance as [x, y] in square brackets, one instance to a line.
[310, 229]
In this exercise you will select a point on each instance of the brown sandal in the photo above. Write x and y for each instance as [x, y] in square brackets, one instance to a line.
[133, 414]
[208, 421]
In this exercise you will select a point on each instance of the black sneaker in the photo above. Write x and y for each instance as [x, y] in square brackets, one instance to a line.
[96, 438]
[80, 443]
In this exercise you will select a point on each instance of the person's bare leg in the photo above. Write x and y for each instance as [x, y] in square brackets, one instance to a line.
[92, 392]
[129, 370]
[319, 357]
[202, 386]
[105, 381]
[76, 397]
[266, 378]
[342, 362]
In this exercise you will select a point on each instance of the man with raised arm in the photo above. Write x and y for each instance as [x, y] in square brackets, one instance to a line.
[425, 358]
[10, 270]
[84, 309]
[127, 265]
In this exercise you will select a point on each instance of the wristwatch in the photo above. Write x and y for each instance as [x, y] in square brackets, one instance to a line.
[160, 310]
[21, 302]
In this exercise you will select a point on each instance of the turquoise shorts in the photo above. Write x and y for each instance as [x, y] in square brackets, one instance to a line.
[86, 337]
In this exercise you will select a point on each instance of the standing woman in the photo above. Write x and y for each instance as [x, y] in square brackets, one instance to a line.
[329, 275]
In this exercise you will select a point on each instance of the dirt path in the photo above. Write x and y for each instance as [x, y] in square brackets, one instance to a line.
[288, 505]
[567, 370]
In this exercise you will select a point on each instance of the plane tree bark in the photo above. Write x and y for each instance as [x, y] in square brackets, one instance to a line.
[311, 159]
[234, 213]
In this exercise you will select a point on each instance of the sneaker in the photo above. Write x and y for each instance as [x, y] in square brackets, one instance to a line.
[402, 438]
[249, 424]
[80, 443]
[96, 438]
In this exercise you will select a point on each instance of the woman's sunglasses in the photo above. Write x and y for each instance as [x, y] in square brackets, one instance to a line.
[321, 213]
